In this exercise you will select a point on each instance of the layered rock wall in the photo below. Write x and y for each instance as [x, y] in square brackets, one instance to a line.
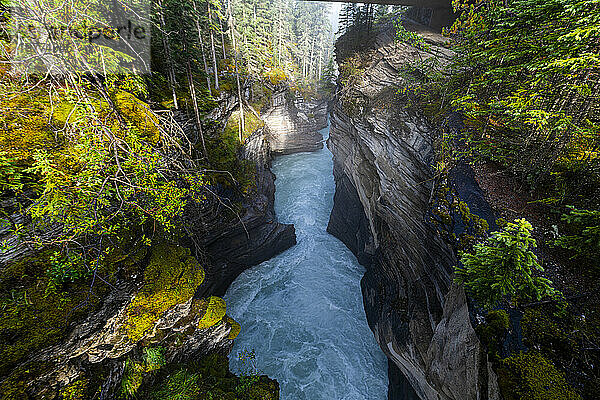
[382, 167]
[293, 126]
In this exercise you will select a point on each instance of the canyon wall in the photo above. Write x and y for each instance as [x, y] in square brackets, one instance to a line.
[382, 167]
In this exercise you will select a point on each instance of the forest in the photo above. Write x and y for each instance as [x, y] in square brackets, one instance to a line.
[120, 159]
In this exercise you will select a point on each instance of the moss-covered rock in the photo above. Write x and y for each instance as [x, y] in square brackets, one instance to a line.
[215, 311]
[170, 278]
[531, 376]
[493, 331]
[75, 391]
[236, 328]
[33, 316]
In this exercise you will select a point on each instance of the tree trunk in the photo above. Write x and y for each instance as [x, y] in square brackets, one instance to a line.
[310, 59]
[279, 38]
[237, 73]
[222, 39]
[201, 41]
[192, 87]
[212, 46]
[320, 60]
[167, 50]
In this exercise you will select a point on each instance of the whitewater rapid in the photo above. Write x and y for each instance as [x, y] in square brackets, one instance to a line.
[302, 311]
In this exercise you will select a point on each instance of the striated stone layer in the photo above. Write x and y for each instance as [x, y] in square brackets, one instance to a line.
[293, 126]
[253, 238]
[382, 158]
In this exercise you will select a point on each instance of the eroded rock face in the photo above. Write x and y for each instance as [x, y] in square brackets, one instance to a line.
[167, 316]
[382, 158]
[253, 238]
[293, 126]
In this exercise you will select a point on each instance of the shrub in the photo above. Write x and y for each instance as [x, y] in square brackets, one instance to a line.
[501, 268]
[584, 242]
[525, 74]
[66, 268]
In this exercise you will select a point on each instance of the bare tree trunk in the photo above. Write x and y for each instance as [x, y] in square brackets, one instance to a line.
[310, 59]
[212, 46]
[279, 36]
[201, 41]
[222, 39]
[167, 49]
[192, 87]
[320, 60]
[237, 73]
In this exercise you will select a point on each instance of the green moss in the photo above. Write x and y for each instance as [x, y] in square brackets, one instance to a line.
[531, 376]
[215, 311]
[75, 391]
[14, 387]
[223, 153]
[568, 340]
[236, 328]
[542, 329]
[170, 278]
[209, 378]
[35, 315]
[32, 317]
[492, 332]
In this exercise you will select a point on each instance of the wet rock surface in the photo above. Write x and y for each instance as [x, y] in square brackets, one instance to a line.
[382, 158]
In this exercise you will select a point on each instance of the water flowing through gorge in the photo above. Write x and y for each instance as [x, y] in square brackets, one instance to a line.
[302, 311]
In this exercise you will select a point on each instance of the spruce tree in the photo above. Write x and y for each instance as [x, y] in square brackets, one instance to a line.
[502, 268]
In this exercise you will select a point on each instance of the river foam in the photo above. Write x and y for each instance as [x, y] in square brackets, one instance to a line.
[302, 311]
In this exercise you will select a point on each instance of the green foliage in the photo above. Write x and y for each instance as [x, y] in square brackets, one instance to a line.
[224, 153]
[408, 37]
[208, 378]
[249, 375]
[493, 331]
[11, 177]
[531, 376]
[445, 204]
[153, 359]
[67, 268]
[525, 74]
[132, 378]
[584, 240]
[181, 385]
[502, 268]
[95, 166]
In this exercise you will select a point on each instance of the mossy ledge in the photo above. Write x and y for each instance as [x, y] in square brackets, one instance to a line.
[154, 311]
[170, 278]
